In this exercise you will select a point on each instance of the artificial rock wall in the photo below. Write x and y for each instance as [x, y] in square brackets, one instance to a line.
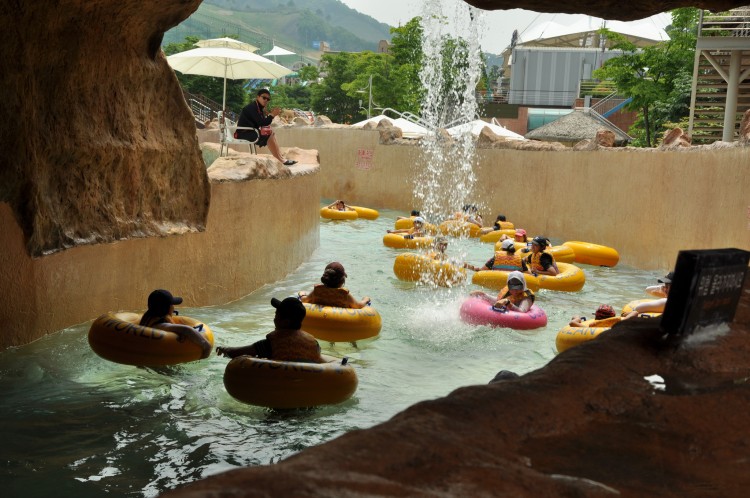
[97, 141]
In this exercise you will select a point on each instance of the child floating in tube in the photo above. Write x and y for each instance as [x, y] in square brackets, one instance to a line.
[416, 231]
[514, 297]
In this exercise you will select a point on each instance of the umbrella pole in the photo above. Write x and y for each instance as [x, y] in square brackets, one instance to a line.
[224, 97]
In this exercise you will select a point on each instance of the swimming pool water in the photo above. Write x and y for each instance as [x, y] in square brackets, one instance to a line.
[73, 424]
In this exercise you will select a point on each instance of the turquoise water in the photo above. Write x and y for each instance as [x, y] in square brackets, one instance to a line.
[73, 424]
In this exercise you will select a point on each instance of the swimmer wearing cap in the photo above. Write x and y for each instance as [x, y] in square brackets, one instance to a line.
[416, 231]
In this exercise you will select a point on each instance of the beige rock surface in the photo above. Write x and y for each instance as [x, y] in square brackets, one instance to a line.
[239, 166]
[98, 143]
[675, 138]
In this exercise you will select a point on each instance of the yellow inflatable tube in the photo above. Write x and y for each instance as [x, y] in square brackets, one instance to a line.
[570, 279]
[118, 337]
[562, 254]
[494, 236]
[332, 324]
[398, 241]
[366, 213]
[497, 279]
[593, 254]
[289, 384]
[335, 214]
[459, 228]
[406, 223]
[420, 268]
[573, 336]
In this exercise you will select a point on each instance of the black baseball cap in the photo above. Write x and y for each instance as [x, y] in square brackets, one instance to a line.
[160, 301]
[290, 308]
[540, 241]
[667, 279]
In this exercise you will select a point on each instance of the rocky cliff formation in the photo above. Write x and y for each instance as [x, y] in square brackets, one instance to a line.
[97, 142]
[594, 422]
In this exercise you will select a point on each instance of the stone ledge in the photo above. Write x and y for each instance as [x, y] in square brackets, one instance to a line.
[243, 166]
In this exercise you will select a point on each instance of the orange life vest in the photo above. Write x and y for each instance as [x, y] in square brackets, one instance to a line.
[534, 261]
[515, 300]
[507, 262]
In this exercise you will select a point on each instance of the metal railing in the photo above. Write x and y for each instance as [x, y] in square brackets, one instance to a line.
[563, 98]
[205, 109]
[409, 116]
[606, 121]
[734, 22]
[201, 111]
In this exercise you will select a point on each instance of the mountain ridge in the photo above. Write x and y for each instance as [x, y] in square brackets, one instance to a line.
[284, 22]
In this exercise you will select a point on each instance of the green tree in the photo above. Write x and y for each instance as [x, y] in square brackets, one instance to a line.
[209, 87]
[406, 49]
[329, 96]
[291, 96]
[309, 73]
[657, 78]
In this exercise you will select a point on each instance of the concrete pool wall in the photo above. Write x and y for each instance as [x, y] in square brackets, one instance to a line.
[249, 224]
[648, 204]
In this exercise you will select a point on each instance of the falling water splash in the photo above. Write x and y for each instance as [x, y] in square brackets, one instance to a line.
[446, 180]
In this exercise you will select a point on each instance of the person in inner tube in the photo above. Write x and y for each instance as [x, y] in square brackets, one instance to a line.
[539, 261]
[332, 291]
[287, 342]
[414, 214]
[514, 297]
[656, 305]
[416, 231]
[340, 205]
[603, 313]
[159, 315]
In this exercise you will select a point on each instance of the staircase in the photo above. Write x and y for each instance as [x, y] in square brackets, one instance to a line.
[205, 109]
[721, 76]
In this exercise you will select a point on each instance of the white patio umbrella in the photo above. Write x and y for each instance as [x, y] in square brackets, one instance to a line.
[227, 43]
[278, 51]
[227, 63]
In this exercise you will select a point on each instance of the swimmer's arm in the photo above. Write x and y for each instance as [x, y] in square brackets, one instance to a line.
[402, 230]
[235, 352]
[189, 333]
[523, 307]
[656, 306]
[576, 321]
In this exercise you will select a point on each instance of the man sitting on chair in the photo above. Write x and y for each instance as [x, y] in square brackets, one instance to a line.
[254, 115]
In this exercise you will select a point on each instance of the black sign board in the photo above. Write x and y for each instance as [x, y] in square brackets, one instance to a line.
[705, 290]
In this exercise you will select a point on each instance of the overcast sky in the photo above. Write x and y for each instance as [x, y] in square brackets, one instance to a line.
[498, 24]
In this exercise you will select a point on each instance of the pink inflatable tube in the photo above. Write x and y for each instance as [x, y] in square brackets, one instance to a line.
[477, 311]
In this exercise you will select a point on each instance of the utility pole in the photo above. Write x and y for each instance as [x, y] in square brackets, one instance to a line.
[369, 101]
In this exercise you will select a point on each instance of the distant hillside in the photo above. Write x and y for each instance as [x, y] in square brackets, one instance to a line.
[294, 25]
